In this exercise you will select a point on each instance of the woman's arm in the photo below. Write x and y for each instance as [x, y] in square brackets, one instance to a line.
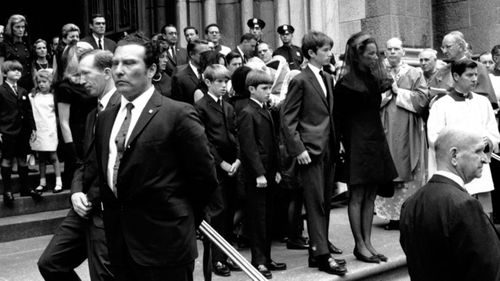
[63, 109]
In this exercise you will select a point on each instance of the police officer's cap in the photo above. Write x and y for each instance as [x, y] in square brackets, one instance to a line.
[282, 29]
[256, 22]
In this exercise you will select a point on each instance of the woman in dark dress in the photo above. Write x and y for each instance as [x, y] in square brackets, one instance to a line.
[16, 46]
[162, 81]
[370, 168]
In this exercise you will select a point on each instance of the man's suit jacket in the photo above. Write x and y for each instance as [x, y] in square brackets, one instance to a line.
[306, 116]
[258, 142]
[446, 235]
[165, 178]
[184, 84]
[180, 58]
[220, 127]
[85, 178]
[16, 114]
[109, 44]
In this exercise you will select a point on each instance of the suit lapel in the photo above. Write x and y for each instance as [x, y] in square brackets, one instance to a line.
[147, 113]
[105, 131]
[213, 104]
[316, 85]
[9, 89]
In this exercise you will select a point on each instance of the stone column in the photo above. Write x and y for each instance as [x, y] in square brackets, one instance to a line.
[282, 12]
[246, 13]
[316, 12]
[209, 12]
[181, 20]
[298, 20]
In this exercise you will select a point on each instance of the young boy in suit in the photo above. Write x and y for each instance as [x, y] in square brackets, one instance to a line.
[259, 151]
[16, 127]
[218, 118]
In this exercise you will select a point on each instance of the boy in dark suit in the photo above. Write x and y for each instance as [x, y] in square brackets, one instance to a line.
[218, 118]
[16, 127]
[259, 151]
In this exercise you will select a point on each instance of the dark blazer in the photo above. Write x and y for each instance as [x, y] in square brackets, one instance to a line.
[258, 142]
[180, 58]
[446, 235]
[85, 178]
[220, 127]
[16, 114]
[184, 84]
[306, 115]
[109, 44]
[166, 177]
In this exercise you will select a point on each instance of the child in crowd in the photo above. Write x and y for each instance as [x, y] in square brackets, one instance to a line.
[45, 141]
[16, 128]
[218, 117]
[260, 159]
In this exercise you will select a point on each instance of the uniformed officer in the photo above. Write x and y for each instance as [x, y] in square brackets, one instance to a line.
[290, 52]
[256, 25]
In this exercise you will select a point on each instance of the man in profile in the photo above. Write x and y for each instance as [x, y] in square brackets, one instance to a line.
[445, 233]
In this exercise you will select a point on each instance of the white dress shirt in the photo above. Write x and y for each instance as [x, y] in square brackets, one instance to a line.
[139, 104]
[316, 71]
[451, 176]
[97, 41]
[107, 96]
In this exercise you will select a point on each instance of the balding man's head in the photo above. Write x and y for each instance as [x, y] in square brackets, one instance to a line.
[394, 51]
[461, 151]
[427, 59]
[454, 46]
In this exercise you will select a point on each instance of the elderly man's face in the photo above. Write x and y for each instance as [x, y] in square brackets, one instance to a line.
[171, 35]
[451, 49]
[427, 61]
[470, 159]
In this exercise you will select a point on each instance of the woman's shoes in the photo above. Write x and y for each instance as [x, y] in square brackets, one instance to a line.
[40, 188]
[57, 189]
[363, 258]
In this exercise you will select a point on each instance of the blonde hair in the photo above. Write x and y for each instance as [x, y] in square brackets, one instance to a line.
[47, 74]
[14, 19]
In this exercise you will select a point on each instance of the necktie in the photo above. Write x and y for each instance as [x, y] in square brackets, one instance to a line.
[100, 44]
[120, 142]
[15, 88]
[100, 107]
[323, 76]
[220, 103]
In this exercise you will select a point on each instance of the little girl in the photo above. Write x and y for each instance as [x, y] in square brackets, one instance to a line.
[45, 141]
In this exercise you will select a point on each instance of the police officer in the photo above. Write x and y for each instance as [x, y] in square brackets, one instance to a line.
[256, 25]
[290, 52]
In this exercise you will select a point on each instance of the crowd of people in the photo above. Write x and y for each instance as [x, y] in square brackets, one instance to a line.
[156, 138]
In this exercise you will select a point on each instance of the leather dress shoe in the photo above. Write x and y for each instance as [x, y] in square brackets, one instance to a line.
[382, 257]
[33, 194]
[333, 249]
[221, 269]
[296, 244]
[232, 265]
[274, 266]
[361, 257]
[313, 262]
[329, 266]
[8, 199]
[264, 271]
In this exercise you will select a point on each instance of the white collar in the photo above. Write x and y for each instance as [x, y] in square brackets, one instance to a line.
[451, 176]
[258, 102]
[140, 101]
[106, 97]
[314, 69]
[97, 38]
[214, 97]
[195, 70]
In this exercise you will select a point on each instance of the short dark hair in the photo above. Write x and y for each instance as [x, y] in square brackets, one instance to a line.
[495, 50]
[167, 25]
[314, 40]
[93, 16]
[247, 37]
[208, 58]
[210, 25]
[193, 43]
[190, 27]
[10, 65]
[258, 77]
[460, 66]
[232, 55]
[102, 58]
[138, 38]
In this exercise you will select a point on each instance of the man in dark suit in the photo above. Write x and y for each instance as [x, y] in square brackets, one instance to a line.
[81, 234]
[445, 233]
[176, 56]
[309, 135]
[246, 48]
[260, 157]
[186, 80]
[96, 38]
[156, 172]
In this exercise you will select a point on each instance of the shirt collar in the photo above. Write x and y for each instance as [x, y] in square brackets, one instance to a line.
[258, 102]
[314, 69]
[451, 176]
[97, 38]
[11, 85]
[214, 97]
[195, 70]
[107, 96]
[139, 102]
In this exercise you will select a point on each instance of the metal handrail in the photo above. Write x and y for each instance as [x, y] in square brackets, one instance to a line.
[495, 156]
[231, 252]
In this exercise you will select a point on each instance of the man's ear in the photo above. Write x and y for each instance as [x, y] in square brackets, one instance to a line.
[455, 76]
[152, 70]
[107, 72]
[207, 81]
[251, 89]
[454, 156]
[311, 53]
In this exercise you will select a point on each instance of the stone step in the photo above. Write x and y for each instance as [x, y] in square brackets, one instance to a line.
[26, 205]
[31, 225]
[34, 178]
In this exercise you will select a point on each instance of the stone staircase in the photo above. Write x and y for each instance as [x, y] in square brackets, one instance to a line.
[29, 218]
